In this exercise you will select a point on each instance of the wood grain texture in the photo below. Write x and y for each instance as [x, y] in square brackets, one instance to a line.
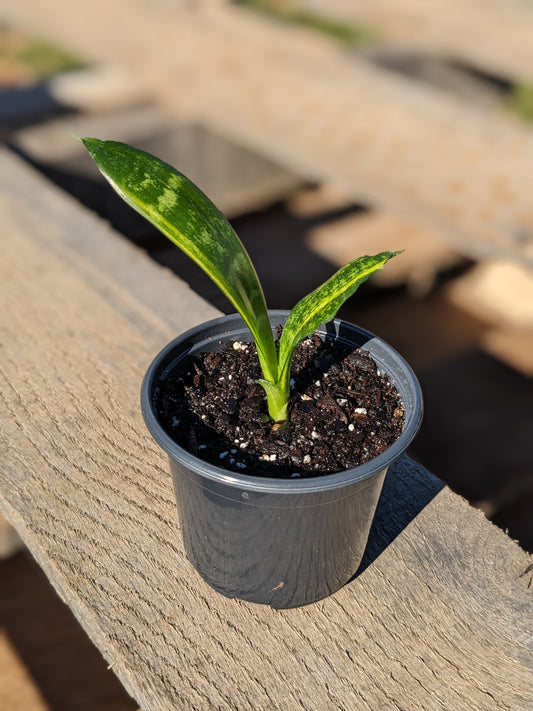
[439, 617]
[447, 166]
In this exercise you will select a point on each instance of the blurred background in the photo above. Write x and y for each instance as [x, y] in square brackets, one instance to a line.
[324, 129]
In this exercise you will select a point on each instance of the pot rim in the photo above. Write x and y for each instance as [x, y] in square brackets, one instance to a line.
[270, 485]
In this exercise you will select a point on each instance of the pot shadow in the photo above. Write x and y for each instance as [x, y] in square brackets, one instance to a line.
[408, 488]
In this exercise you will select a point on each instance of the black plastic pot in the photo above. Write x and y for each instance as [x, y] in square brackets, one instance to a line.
[281, 542]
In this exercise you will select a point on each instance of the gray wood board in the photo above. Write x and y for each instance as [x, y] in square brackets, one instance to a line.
[438, 618]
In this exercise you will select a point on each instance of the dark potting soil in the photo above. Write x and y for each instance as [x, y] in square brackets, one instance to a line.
[343, 411]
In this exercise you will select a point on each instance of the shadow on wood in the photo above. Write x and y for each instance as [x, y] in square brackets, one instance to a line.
[407, 490]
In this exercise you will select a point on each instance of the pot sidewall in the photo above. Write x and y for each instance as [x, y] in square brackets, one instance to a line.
[282, 542]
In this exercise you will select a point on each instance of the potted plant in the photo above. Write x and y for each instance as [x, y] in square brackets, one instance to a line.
[279, 426]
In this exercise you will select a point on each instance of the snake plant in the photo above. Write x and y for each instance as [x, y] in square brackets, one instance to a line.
[181, 211]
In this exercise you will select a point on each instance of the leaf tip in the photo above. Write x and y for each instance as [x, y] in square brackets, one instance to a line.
[91, 144]
[389, 255]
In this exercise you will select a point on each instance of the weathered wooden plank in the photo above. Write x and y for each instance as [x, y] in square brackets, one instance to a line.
[328, 116]
[492, 35]
[439, 617]
[406, 148]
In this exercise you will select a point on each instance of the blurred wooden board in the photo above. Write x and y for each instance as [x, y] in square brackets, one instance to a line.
[323, 113]
[492, 35]
[10, 542]
[17, 690]
[512, 346]
[499, 292]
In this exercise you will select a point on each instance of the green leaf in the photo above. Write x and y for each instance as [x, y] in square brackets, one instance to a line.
[182, 212]
[172, 203]
[320, 306]
[277, 400]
